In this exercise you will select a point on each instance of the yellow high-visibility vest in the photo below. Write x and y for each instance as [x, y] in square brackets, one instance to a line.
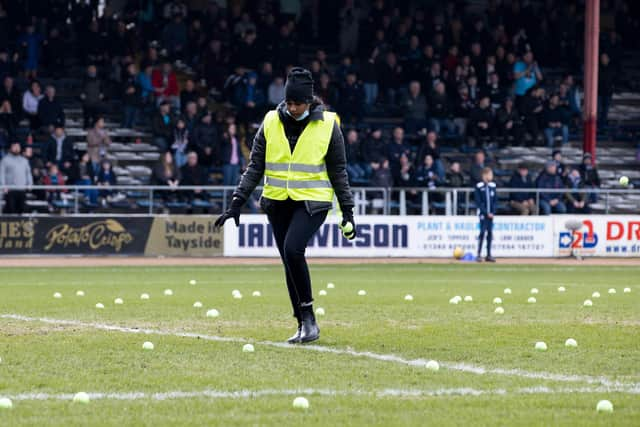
[301, 175]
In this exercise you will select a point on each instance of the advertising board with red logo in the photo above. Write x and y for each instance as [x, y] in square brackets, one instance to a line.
[599, 235]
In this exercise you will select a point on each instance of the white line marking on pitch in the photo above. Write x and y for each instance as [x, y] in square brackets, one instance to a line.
[462, 367]
[248, 394]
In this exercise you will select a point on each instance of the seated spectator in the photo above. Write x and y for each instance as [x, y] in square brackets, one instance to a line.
[576, 198]
[572, 96]
[131, 97]
[380, 177]
[396, 148]
[30, 101]
[98, 142]
[462, 108]
[389, 78]
[162, 126]
[53, 177]
[191, 116]
[85, 175]
[350, 98]
[426, 174]
[477, 166]
[37, 171]
[166, 173]
[373, 148]
[9, 94]
[92, 95]
[590, 176]
[403, 176]
[522, 201]
[165, 85]
[415, 109]
[180, 143]
[106, 178]
[561, 168]
[509, 124]
[554, 122]
[481, 128]
[231, 155]
[205, 141]
[430, 147]
[8, 122]
[50, 112]
[189, 93]
[526, 74]
[147, 92]
[355, 163]
[250, 99]
[454, 177]
[551, 202]
[276, 92]
[532, 109]
[192, 174]
[440, 111]
[495, 91]
[59, 150]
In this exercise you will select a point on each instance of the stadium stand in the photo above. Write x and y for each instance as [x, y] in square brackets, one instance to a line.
[446, 70]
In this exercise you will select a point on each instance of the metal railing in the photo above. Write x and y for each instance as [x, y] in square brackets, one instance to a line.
[70, 199]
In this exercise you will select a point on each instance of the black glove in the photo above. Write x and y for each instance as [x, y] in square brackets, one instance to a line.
[348, 226]
[232, 212]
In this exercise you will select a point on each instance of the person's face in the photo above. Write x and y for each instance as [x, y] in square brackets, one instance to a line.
[494, 79]
[480, 158]
[164, 109]
[557, 157]
[508, 103]
[428, 161]
[180, 124]
[414, 88]
[92, 71]
[166, 68]
[168, 159]
[476, 49]
[59, 132]
[487, 176]
[455, 167]
[28, 152]
[551, 169]
[440, 88]
[100, 123]
[377, 134]
[8, 82]
[315, 66]
[15, 148]
[398, 134]
[431, 138]
[528, 57]
[484, 102]
[604, 59]
[51, 92]
[472, 81]
[106, 166]
[296, 109]
[53, 169]
[35, 88]
[206, 119]
[190, 85]
[352, 136]
[351, 79]
[232, 129]
[192, 160]
[523, 172]
[554, 101]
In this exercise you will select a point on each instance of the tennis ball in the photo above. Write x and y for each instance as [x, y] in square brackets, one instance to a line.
[408, 297]
[362, 292]
[192, 282]
[468, 298]
[497, 300]
[347, 228]
[534, 291]
[454, 300]
[541, 346]
[99, 305]
[507, 291]
[596, 294]
[197, 304]
[319, 311]
[80, 293]
[570, 342]
[330, 285]
[148, 345]
[81, 397]
[624, 181]
[532, 300]
[562, 289]
[118, 301]
[612, 290]
[57, 295]
[432, 365]
[168, 292]
[6, 403]
[144, 296]
[587, 303]
[256, 294]
[499, 310]
[237, 296]
[604, 406]
[301, 403]
[248, 348]
[322, 292]
[627, 290]
[213, 313]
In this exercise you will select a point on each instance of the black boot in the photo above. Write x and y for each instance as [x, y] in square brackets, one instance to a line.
[295, 339]
[309, 330]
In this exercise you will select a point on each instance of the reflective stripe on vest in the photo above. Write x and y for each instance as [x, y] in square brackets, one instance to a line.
[301, 175]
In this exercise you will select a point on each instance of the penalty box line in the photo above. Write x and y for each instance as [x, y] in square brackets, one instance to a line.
[454, 366]
[254, 394]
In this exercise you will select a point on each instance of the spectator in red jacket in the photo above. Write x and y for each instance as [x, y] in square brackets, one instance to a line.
[165, 85]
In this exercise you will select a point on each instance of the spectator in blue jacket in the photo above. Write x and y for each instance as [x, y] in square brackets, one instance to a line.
[522, 201]
[486, 201]
[551, 202]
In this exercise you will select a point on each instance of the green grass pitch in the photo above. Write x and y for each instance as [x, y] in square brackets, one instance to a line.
[490, 373]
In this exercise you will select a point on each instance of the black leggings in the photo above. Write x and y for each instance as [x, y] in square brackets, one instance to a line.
[486, 227]
[293, 227]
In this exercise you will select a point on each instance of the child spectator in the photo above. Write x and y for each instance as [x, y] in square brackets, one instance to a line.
[105, 178]
[54, 178]
[486, 201]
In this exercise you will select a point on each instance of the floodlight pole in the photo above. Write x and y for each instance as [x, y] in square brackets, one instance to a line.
[591, 56]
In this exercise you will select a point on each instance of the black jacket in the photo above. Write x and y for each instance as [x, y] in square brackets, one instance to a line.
[50, 112]
[335, 160]
[50, 150]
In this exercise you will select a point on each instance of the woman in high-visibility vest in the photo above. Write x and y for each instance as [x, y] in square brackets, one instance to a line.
[299, 150]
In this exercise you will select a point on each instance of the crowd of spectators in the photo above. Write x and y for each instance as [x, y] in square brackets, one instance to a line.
[200, 77]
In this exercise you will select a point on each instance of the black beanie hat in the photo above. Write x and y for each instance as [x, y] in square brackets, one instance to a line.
[299, 86]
